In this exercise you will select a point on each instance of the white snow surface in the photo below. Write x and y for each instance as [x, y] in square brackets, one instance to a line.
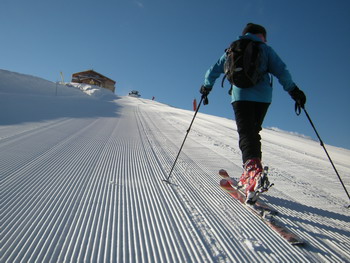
[81, 180]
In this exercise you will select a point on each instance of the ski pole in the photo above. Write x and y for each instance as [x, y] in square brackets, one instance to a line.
[188, 130]
[329, 158]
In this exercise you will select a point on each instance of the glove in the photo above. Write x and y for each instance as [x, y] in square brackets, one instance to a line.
[299, 96]
[205, 90]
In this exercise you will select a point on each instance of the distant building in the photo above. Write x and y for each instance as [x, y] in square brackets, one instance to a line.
[94, 78]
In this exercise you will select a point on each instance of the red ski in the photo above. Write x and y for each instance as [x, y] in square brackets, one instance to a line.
[258, 205]
[260, 209]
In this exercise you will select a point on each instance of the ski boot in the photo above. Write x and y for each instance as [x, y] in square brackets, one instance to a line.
[254, 180]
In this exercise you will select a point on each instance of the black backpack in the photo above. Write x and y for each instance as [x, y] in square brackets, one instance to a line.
[242, 63]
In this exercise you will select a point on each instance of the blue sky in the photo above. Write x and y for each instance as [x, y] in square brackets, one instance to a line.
[163, 48]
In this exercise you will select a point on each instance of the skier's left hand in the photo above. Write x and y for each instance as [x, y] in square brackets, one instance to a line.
[299, 96]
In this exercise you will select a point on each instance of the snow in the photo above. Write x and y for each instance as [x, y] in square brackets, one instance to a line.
[81, 180]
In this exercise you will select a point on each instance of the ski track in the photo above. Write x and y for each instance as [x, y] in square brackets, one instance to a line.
[90, 189]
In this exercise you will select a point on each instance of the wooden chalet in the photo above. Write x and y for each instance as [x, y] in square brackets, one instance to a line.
[94, 78]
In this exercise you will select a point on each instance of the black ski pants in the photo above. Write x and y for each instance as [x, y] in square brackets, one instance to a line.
[249, 118]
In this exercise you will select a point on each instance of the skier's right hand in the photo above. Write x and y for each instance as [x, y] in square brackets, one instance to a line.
[205, 90]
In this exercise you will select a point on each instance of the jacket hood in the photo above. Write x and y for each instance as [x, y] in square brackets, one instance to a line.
[252, 37]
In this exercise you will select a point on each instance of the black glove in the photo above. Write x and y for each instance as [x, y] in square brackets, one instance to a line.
[205, 90]
[299, 96]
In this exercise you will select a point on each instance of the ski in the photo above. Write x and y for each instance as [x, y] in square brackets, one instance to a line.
[260, 209]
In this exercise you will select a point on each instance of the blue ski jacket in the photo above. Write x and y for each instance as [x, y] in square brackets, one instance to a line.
[262, 91]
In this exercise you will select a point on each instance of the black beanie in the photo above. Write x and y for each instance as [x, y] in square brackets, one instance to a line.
[254, 29]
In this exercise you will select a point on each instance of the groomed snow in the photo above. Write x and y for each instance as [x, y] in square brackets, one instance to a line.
[81, 180]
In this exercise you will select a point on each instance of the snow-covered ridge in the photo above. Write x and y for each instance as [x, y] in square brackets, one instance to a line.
[26, 98]
[81, 181]
[23, 84]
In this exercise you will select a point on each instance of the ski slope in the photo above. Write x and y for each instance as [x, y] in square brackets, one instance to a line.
[81, 180]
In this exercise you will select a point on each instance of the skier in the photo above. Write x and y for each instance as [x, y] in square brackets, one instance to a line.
[250, 106]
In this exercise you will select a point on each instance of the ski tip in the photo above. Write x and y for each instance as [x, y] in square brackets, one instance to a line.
[223, 173]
